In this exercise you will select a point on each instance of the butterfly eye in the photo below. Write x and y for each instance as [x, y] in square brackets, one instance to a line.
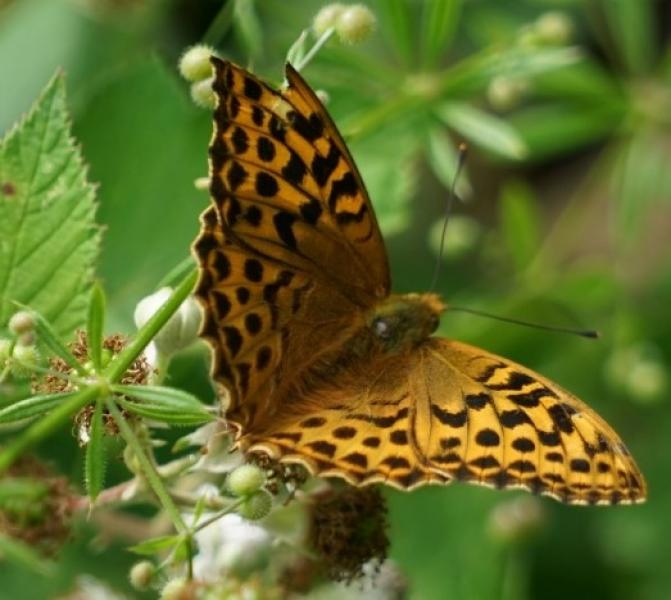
[382, 328]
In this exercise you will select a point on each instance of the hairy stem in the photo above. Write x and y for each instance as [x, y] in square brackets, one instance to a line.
[148, 467]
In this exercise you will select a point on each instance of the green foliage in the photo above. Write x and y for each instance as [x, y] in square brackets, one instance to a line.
[49, 238]
[568, 179]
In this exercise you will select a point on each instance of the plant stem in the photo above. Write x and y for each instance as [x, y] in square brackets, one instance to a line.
[230, 508]
[148, 468]
[47, 425]
[146, 333]
[325, 37]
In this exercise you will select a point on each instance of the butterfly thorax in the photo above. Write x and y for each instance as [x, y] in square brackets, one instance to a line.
[400, 322]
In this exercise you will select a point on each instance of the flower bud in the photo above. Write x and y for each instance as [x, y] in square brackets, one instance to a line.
[21, 322]
[178, 589]
[256, 506]
[515, 519]
[245, 480]
[505, 93]
[327, 17]
[142, 574]
[203, 94]
[24, 358]
[355, 24]
[640, 371]
[194, 65]
[323, 96]
[180, 331]
[647, 380]
[554, 28]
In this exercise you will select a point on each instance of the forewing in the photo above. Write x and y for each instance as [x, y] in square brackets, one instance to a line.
[286, 186]
[289, 250]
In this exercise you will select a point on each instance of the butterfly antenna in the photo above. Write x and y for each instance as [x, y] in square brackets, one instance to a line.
[588, 333]
[461, 159]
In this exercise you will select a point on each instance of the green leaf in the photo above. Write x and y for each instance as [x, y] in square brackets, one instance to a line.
[474, 74]
[483, 129]
[220, 25]
[51, 339]
[21, 554]
[634, 30]
[49, 237]
[399, 20]
[96, 454]
[248, 28]
[165, 404]
[32, 407]
[557, 128]
[96, 325]
[520, 223]
[184, 550]
[155, 545]
[440, 19]
[386, 160]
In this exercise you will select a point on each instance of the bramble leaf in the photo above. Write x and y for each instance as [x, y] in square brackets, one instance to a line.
[48, 237]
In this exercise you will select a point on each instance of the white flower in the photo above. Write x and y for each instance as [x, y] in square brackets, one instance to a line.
[180, 331]
[231, 545]
[379, 582]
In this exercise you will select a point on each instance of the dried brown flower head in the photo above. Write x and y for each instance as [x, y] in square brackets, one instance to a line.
[138, 373]
[44, 522]
[348, 529]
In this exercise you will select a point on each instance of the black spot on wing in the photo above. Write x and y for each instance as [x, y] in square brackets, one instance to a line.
[283, 222]
[456, 419]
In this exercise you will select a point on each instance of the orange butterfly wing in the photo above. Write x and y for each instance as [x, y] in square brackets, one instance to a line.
[450, 411]
[290, 250]
[292, 265]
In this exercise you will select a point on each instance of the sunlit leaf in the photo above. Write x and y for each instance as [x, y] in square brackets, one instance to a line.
[165, 404]
[155, 545]
[483, 129]
[49, 237]
[440, 20]
[32, 407]
[96, 325]
[520, 223]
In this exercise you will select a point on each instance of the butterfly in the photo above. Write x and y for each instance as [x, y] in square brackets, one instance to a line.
[324, 366]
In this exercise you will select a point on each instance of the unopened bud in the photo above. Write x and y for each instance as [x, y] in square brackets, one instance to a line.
[21, 322]
[194, 65]
[327, 17]
[355, 24]
[245, 480]
[256, 506]
[142, 574]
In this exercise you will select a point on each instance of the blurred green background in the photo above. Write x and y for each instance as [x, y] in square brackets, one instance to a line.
[565, 220]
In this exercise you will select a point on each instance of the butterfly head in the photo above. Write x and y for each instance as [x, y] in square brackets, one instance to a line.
[402, 321]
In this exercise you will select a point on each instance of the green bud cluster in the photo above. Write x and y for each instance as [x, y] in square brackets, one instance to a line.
[18, 354]
[195, 67]
[246, 482]
[352, 23]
